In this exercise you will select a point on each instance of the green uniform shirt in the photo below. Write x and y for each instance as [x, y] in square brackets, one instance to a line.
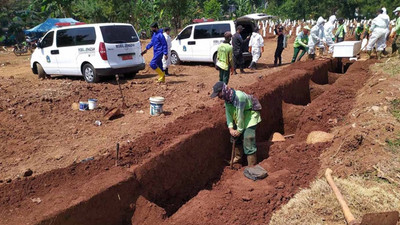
[359, 30]
[397, 28]
[224, 56]
[240, 112]
[340, 31]
[301, 40]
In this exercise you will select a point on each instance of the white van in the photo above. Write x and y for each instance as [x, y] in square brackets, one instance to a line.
[199, 42]
[91, 51]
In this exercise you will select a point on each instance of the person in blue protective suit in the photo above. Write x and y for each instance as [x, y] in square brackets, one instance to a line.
[160, 49]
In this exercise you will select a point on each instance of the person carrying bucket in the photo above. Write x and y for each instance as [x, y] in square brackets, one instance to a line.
[242, 116]
[160, 48]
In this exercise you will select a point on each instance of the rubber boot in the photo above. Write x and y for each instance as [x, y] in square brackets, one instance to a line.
[252, 159]
[369, 54]
[379, 54]
[321, 52]
[238, 155]
[252, 65]
[161, 75]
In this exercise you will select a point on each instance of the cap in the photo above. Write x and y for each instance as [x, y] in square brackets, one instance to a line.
[306, 27]
[397, 9]
[240, 27]
[154, 25]
[227, 34]
[217, 88]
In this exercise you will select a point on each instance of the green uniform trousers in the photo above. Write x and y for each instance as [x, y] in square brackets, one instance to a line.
[296, 53]
[396, 44]
[224, 75]
[248, 139]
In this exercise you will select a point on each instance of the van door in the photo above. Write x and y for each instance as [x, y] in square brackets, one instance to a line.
[47, 54]
[71, 44]
[183, 44]
[202, 42]
[122, 45]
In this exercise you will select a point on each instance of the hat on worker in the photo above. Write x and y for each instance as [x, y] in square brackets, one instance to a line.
[154, 25]
[307, 27]
[217, 89]
[240, 27]
[227, 34]
[397, 10]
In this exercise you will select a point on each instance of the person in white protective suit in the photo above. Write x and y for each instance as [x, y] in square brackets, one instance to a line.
[256, 47]
[167, 62]
[329, 35]
[386, 16]
[378, 31]
[317, 35]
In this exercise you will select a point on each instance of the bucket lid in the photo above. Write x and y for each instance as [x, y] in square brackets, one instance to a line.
[92, 100]
[157, 99]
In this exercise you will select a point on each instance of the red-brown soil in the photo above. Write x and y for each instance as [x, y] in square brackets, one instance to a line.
[184, 154]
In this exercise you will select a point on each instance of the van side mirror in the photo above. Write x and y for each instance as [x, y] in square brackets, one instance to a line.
[179, 37]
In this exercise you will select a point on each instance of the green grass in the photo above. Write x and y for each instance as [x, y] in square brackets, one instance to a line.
[393, 145]
[395, 108]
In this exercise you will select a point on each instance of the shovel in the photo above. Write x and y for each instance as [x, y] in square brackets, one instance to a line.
[124, 106]
[383, 218]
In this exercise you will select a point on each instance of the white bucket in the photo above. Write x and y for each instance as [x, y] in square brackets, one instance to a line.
[156, 104]
[92, 103]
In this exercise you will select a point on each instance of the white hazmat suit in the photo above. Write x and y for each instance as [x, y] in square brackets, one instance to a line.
[256, 43]
[317, 35]
[329, 35]
[167, 62]
[379, 29]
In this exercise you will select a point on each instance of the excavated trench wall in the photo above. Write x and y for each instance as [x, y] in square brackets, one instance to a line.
[182, 169]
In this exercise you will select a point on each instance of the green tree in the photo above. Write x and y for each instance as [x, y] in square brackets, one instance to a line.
[212, 9]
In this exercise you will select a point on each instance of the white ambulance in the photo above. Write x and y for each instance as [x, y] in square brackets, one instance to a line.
[89, 50]
[199, 42]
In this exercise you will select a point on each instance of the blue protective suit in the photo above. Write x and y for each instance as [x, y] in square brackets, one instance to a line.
[160, 48]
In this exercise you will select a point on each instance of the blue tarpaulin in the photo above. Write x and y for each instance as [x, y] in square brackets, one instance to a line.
[47, 25]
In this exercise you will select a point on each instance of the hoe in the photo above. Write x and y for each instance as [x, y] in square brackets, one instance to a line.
[383, 218]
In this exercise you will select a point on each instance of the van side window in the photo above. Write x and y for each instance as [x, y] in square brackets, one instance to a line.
[186, 33]
[202, 31]
[113, 34]
[218, 30]
[76, 36]
[48, 40]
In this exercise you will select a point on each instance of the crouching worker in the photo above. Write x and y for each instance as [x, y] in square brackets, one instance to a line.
[242, 116]
[301, 43]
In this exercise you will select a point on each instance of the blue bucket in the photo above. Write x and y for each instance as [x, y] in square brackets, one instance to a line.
[83, 106]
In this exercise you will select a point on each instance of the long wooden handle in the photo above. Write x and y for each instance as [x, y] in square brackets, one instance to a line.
[232, 154]
[346, 211]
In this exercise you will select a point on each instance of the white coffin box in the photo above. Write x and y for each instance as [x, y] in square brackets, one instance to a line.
[346, 49]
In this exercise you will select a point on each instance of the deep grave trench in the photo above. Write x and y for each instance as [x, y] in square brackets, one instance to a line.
[197, 160]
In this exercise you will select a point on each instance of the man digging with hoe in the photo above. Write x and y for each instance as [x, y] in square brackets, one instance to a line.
[242, 116]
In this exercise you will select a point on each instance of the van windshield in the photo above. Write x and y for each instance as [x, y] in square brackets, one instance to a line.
[119, 34]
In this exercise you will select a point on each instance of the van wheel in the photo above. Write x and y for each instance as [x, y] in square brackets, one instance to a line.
[130, 75]
[175, 58]
[89, 73]
[215, 58]
[40, 70]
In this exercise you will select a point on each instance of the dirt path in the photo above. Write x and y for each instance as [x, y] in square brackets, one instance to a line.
[40, 131]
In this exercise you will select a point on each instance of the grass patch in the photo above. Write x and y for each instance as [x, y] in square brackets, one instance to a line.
[318, 204]
[395, 109]
[393, 145]
[390, 66]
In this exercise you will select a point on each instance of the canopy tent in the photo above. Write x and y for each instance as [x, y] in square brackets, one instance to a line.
[47, 25]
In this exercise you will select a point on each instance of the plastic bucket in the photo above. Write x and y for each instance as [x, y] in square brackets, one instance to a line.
[92, 103]
[156, 104]
[83, 106]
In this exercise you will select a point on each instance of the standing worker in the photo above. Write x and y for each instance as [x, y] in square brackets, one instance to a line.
[242, 116]
[329, 36]
[341, 31]
[301, 43]
[225, 58]
[256, 47]
[317, 35]
[160, 48]
[378, 35]
[238, 43]
[280, 45]
[396, 32]
[167, 62]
